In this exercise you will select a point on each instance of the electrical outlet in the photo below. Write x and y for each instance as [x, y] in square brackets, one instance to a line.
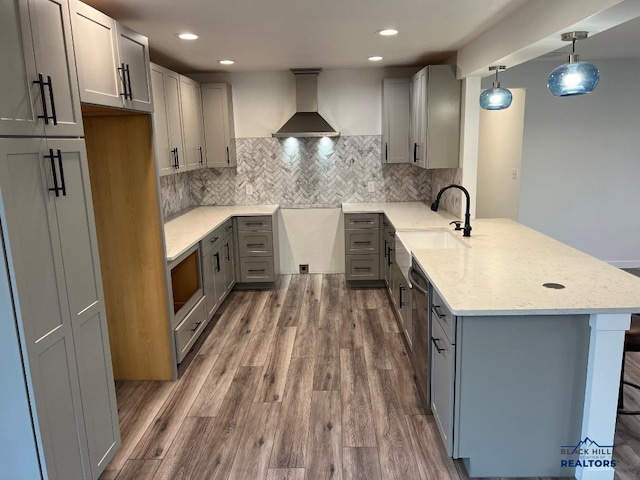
[304, 268]
[371, 187]
[249, 188]
[514, 174]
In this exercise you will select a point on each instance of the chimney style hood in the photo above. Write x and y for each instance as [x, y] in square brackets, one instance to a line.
[306, 122]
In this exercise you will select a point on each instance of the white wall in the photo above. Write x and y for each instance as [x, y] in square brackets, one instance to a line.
[350, 99]
[581, 160]
[499, 155]
[313, 236]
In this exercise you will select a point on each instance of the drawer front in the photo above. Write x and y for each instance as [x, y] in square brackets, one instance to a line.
[255, 270]
[212, 240]
[443, 357]
[254, 223]
[361, 220]
[189, 329]
[227, 228]
[444, 317]
[363, 241]
[363, 267]
[258, 244]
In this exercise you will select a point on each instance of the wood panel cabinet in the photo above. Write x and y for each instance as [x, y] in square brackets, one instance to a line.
[435, 117]
[219, 130]
[49, 235]
[39, 79]
[395, 120]
[167, 121]
[113, 61]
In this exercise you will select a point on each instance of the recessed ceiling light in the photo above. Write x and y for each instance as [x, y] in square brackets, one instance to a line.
[375, 58]
[188, 36]
[388, 32]
[227, 62]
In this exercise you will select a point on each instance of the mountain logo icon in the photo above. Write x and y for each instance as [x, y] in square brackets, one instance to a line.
[585, 444]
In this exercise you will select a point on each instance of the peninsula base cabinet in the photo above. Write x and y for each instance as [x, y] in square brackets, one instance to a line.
[497, 430]
[48, 232]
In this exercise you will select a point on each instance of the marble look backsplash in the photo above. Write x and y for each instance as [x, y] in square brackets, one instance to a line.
[307, 172]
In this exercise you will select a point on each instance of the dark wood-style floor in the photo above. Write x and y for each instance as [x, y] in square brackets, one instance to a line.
[308, 380]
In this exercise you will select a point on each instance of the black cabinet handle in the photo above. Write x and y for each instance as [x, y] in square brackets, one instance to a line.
[129, 82]
[177, 159]
[201, 156]
[45, 111]
[215, 239]
[123, 71]
[435, 344]
[362, 242]
[436, 310]
[55, 188]
[367, 269]
[254, 223]
[217, 255]
[195, 326]
[385, 248]
[256, 270]
[228, 158]
[362, 221]
[415, 152]
[386, 151]
[401, 291]
[255, 245]
[228, 251]
[64, 185]
[389, 262]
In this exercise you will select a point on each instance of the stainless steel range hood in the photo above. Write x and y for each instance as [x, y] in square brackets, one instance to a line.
[306, 122]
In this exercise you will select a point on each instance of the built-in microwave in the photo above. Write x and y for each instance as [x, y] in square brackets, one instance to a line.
[186, 283]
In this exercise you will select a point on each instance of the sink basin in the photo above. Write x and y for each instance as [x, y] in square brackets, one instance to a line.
[430, 239]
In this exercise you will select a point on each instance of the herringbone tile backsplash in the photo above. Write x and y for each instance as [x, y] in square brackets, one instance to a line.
[307, 172]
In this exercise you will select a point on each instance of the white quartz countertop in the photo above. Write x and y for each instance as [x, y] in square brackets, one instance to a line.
[183, 232]
[504, 269]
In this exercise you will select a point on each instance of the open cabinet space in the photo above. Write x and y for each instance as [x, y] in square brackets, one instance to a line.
[129, 229]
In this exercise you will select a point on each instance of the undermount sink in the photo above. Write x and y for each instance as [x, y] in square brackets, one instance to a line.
[430, 239]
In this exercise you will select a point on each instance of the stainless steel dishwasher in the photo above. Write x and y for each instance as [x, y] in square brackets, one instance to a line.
[421, 353]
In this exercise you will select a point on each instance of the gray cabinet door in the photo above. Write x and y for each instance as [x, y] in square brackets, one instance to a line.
[209, 272]
[162, 150]
[395, 120]
[20, 100]
[229, 263]
[76, 227]
[442, 368]
[219, 129]
[176, 138]
[55, 60]
[36, 262]
[133, 50]
[95, 43]
[52, 243]
[191, 108]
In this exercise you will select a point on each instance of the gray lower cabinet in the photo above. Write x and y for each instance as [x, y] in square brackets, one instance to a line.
[442, 375]
[362, 247]
[218, 266]
[388, 244]
[190, 329]
[402, 300]
[49, 235]
[229, 263]
[257, 247]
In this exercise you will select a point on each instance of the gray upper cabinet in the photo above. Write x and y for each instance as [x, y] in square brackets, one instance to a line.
[113, 61]
[192, 124]
[395, 120]
[40, 92]
[168, 132]
[219, 130]
[49, 234]
[435, 117]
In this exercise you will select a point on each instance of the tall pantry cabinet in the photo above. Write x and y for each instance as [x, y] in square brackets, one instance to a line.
[51, 297]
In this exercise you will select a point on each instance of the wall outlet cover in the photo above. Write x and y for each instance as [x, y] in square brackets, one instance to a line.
[249, 189]
[304, 268]
[371, 187]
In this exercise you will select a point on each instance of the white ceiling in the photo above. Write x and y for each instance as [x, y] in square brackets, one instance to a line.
[281, 34]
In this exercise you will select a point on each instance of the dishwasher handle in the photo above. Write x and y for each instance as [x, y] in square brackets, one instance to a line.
[416, 279]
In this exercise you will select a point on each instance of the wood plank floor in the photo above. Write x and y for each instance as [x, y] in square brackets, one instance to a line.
[308, 380]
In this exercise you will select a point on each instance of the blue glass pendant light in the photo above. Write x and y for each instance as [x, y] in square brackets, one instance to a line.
[574, 77]
[496, 98]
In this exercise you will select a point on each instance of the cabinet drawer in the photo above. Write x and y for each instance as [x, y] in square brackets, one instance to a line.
[363, 267]
[188, 331]
[363, 241]
[258, 244]
[361, 220]
[443, 358]
[227, 228]
[444, 317]
[255, 270]
[212, 240]
[254, 223]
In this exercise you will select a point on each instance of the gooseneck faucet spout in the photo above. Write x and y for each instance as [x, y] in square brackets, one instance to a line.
[467, 215]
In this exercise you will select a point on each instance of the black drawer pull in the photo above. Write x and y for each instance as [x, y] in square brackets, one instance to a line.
[363, 269]
[401, 300]
[435, 344]
[255, 223]
[256, 270]
[439, 314]
[201, 156]
[255, 245]
[123, 71]
[217, 257]
[195, 326]
[215, 239]
[363, 243]
[361, 221]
